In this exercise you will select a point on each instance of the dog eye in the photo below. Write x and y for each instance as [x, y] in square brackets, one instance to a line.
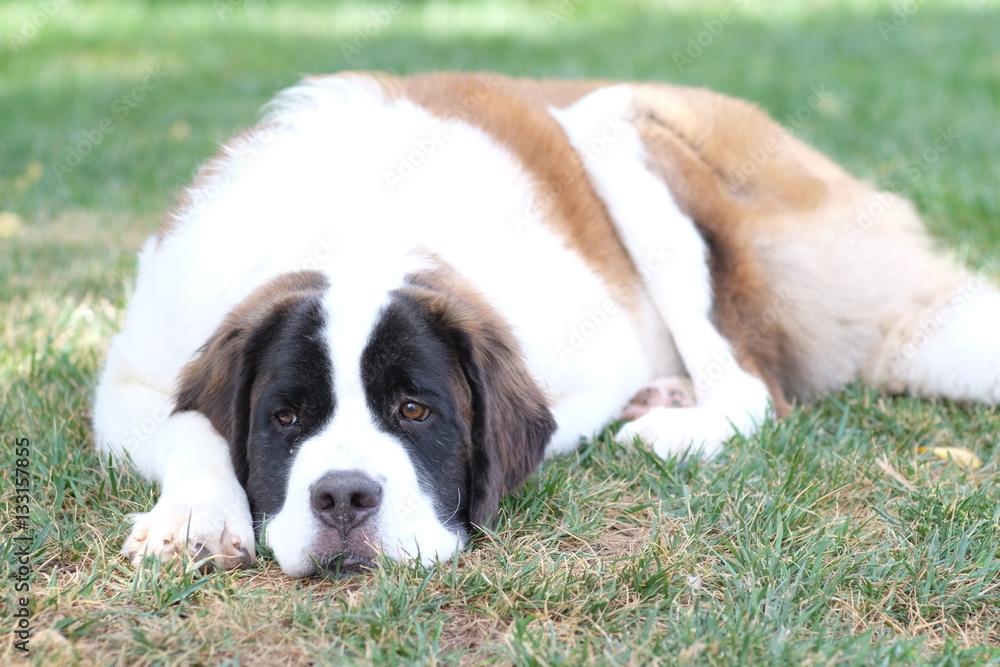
[414, 412]
[286, 418]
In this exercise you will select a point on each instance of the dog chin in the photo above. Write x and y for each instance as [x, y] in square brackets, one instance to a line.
[342, 566]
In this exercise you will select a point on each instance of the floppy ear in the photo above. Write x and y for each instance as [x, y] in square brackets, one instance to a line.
[511, 421]
[219, 381]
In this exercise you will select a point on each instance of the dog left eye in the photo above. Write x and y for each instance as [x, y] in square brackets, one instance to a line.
[414, 412]
[286, 418]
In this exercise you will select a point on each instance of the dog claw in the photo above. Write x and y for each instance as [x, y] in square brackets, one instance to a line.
[210, 538]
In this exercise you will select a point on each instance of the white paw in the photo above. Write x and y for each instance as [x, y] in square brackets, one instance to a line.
[222, 531]
[672, 431]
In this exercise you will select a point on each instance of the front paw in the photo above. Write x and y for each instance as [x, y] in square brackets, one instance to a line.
[217, 531]
[673, 431]
[667, 392]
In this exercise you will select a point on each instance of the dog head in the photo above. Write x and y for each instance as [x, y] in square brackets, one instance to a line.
[396, 431]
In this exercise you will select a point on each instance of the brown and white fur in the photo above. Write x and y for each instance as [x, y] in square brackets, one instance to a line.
[371, 315]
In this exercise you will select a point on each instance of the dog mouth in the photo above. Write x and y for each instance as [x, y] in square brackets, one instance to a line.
[346, 565]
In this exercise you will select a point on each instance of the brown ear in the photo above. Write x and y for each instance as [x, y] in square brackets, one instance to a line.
[219, 380]
[511, 421]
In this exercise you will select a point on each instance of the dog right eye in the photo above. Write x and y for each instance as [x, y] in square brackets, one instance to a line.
[414, 412]
[287, 418]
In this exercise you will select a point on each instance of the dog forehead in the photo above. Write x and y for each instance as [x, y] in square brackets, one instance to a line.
[355, 311]
[361, 286]
[352, 438]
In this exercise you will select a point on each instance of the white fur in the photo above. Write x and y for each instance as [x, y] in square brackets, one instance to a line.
[201, 501]
[319, 186]
[280, 201]
[649, 221]
[953, 352]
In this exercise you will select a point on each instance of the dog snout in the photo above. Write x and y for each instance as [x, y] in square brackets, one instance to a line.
[344, 499]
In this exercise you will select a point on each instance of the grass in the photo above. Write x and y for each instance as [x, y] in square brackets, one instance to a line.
[828, 538]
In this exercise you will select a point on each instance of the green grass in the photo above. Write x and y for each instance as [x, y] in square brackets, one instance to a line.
[828, 538]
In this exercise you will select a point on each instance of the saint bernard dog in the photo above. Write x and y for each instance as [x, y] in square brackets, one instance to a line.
[373, 314]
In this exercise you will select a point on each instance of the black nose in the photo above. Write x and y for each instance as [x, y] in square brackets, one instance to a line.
[345, 498]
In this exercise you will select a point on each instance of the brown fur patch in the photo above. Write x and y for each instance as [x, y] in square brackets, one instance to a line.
[808, 304]
[514, 113]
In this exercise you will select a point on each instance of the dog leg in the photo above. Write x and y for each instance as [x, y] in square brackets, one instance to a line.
[673, 260]
[203, 510]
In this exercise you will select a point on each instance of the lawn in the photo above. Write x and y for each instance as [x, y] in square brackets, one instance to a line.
[832, 537]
